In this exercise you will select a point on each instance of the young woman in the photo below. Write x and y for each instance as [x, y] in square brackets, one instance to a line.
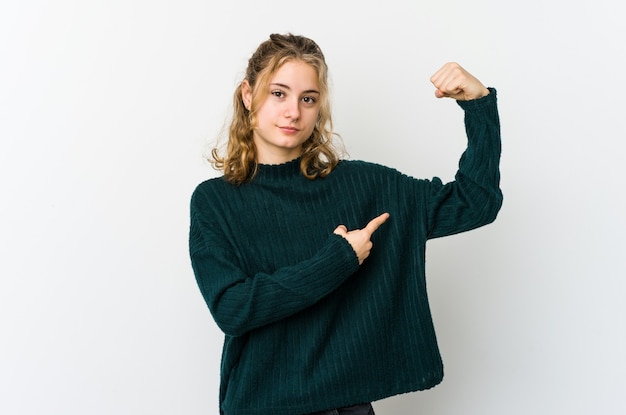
[313, 266]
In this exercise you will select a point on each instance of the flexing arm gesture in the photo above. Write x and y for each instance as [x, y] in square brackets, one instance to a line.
[453, 81]
[360, 239]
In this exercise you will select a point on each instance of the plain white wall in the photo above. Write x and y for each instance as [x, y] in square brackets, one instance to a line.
[106, 108]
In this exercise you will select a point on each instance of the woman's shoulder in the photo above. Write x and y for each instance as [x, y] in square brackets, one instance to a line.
[347, 166]
[377, 173]
[211, 184]
[210, 188]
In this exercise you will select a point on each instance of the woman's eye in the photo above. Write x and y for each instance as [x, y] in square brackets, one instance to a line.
[309, 100]
[278, 93]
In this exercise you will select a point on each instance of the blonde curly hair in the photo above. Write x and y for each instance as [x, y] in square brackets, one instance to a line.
[319, 156]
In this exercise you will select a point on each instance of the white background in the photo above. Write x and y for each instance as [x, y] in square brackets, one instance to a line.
[106, 110]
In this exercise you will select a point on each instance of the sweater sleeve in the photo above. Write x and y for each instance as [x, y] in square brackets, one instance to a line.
[239, 302]
[474, 198]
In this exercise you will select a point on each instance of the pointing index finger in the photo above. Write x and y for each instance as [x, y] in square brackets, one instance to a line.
[376, 222]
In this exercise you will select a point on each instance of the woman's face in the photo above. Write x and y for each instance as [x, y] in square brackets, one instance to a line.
[287, 116]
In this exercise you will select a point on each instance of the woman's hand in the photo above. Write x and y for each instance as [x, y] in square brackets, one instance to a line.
[453, 81]
[360, 239]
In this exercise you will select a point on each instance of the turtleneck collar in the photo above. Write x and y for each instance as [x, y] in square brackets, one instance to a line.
[285, 170]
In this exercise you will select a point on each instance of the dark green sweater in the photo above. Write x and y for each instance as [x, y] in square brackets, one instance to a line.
[306, 328]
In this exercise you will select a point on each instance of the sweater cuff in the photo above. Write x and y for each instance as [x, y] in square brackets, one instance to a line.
[342, 248]
[481, 102]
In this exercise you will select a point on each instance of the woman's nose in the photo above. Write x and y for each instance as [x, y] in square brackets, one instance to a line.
[292, 110]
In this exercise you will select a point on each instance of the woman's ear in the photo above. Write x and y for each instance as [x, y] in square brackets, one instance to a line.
[246, 94]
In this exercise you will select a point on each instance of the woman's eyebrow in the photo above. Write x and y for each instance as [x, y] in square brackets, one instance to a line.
[308, 91]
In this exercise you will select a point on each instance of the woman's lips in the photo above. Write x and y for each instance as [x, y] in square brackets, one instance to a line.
[289, 130]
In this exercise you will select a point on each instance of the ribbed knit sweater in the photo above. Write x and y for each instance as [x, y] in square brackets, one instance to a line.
[307, 328]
